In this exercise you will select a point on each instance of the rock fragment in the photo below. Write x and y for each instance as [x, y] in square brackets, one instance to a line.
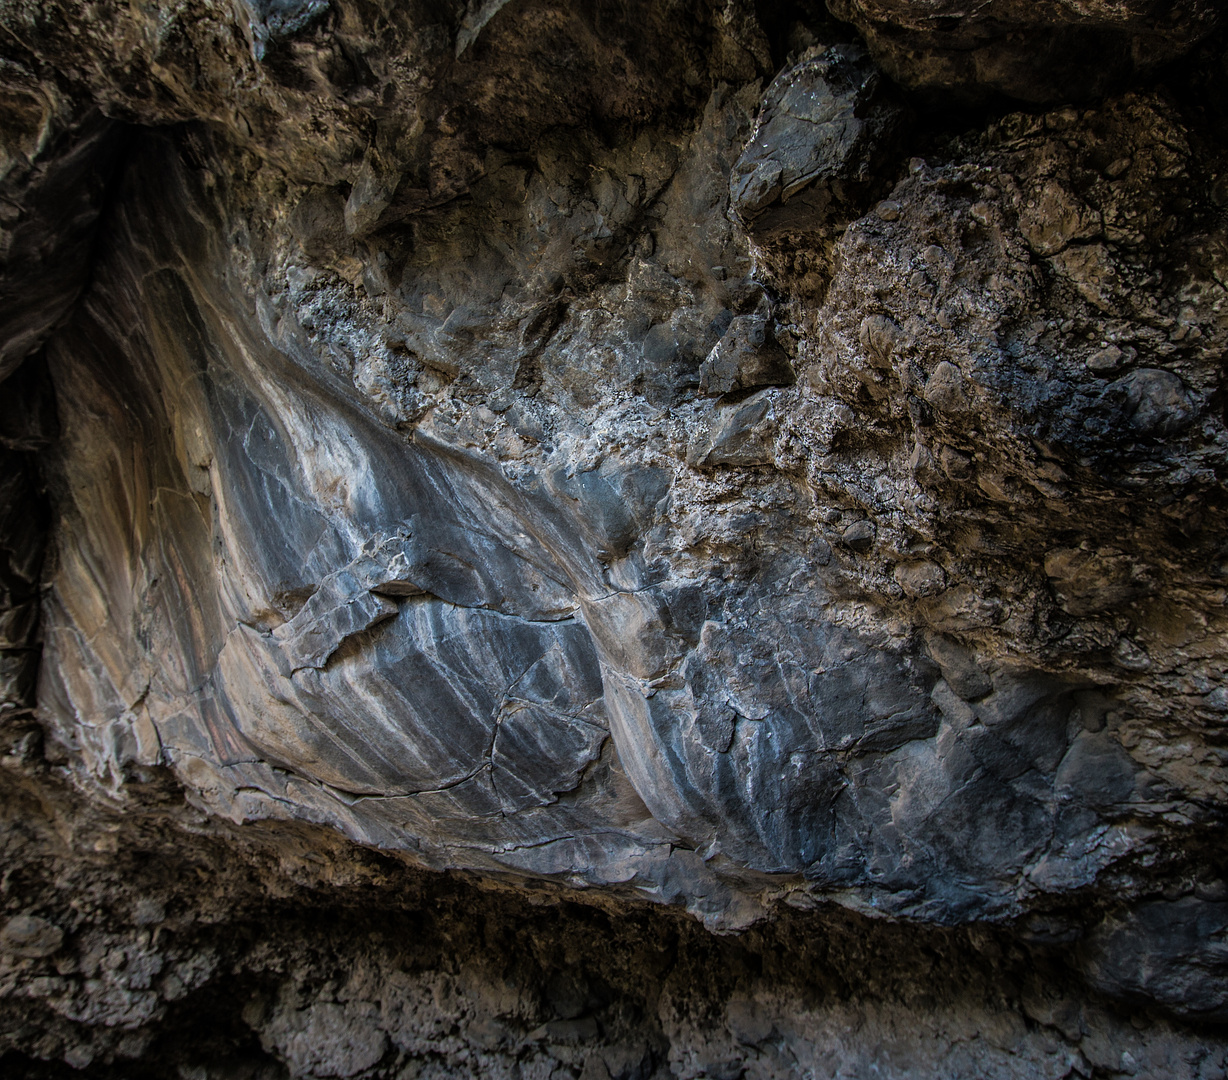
[823, 125]
[859, 536]
[738, 434]
[1166, 950]
[30, 937]
[747, 355]
[1156, 402]
[922, 578]
[946, 389]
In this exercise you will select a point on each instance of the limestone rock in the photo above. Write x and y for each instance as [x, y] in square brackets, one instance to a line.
[506, 439]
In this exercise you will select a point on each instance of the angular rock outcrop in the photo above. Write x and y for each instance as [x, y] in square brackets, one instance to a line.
[633, 450]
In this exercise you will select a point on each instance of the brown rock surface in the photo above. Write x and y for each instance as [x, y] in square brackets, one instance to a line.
[553, 540]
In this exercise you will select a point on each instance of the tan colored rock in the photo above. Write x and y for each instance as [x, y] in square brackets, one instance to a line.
[30, 937]
[922, 578]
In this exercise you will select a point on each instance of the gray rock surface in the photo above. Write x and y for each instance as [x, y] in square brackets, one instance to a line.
[635, 450]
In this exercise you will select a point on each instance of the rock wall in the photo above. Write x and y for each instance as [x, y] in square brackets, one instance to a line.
[735, 489]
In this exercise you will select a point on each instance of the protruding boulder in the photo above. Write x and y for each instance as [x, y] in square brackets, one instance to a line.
[824, 124]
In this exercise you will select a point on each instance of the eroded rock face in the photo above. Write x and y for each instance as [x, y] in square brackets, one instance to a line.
[594, 447]
[1033, 50]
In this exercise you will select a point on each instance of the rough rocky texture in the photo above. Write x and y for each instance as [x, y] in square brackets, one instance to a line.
[630, 457]
[1034, 50]
[261, 951]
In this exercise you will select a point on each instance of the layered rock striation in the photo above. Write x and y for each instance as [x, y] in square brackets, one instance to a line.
[677, 454]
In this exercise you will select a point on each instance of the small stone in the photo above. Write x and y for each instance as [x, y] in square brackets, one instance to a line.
[487, 1033]
[79, 1057]
[957, 465]
[1217, 700]
[1090, 582]
[944, 389]
[746, 356]
[148, 912]
[1054, 218]
[748, 1021]
[880, 336]
[961, 608]
[738, 435]
[923, 578]
[959, 667]
[1215, 890]
[888, 210]
[326, 1038]
[859, 536]
[370, 194]
[1062, 118]
[1130, 656]
[998, 487]
[982, 213]
[30, 937]
[1156, 401]
[1106, 359]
